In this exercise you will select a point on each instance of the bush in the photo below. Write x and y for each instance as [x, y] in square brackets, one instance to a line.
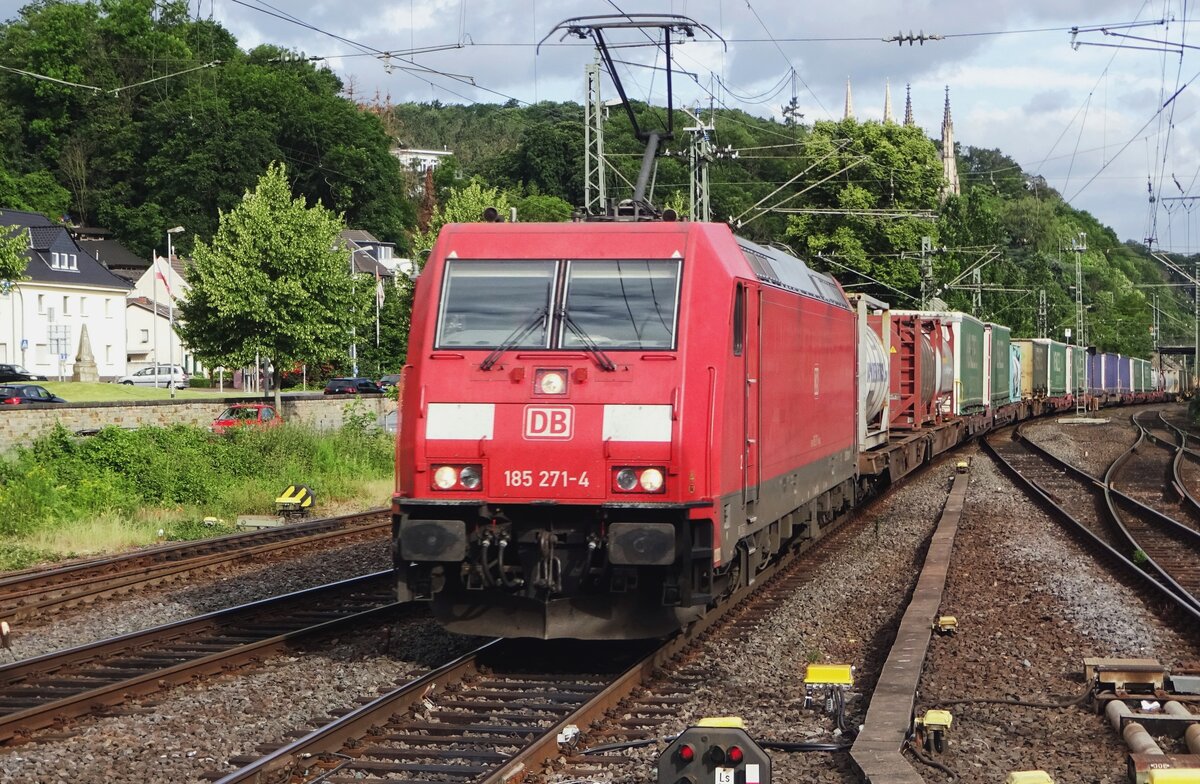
[62, 479]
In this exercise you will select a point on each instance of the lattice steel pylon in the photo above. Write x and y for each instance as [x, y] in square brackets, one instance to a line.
[700, 154]
[595, 195]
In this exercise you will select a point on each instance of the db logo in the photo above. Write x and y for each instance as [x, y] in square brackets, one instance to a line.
[542, 422]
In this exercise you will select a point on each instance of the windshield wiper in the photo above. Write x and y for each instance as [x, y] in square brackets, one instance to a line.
[601, 358]
[514, 337]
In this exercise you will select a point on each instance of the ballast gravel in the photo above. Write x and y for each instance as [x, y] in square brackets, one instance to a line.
[1031, 604]
[196, 594]
[182, 734]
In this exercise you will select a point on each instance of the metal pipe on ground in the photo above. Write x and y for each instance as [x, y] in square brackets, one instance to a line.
[1192, 735]
[1135, 735]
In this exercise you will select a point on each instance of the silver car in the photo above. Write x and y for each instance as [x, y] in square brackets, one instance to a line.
[157, 376]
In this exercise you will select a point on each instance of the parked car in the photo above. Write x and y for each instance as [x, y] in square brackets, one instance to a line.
[15, 394]
[18, 373]
[390, 380]
[351, 386]
[246, 415]
[157, 376]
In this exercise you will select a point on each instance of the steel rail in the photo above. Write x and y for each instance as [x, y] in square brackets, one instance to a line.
[322, 749]
[1167, 492]
[174, 551]
[32, 594]
[41, 691]
[1161, 585]
[1183, 454]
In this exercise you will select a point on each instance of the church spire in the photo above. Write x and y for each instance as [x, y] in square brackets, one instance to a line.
[949, 162]
[908, 118]
[887, 102]
[849, 115]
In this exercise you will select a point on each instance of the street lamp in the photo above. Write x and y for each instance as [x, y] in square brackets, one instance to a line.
[354, 325]
[171, 316]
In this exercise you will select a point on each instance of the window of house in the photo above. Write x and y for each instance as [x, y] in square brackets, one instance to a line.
[108, 355]
[66, 305]
[41, 303]
[385, 252]
[145, 336]
[42, 352]
[107, 307]
[83, 303]
[75, 262]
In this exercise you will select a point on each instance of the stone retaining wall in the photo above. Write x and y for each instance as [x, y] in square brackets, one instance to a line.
[20, 425]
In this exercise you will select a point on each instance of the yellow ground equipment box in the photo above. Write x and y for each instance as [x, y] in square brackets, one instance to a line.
[296, 501]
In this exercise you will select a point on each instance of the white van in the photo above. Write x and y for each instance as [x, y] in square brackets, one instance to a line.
[157, 376]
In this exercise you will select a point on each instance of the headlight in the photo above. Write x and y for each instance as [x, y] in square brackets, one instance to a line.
[652, 480]
[637, 479]
[552, 382]
[445, 477]
[470, 477]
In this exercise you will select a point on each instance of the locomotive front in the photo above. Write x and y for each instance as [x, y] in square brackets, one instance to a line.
[542, 487]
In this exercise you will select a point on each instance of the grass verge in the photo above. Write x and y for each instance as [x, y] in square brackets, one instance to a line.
[90, 392]
[65, 496]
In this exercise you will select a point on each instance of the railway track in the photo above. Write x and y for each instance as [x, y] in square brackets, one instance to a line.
[33, 593]
[502, 711]
[1153, 474]
[1186, 465]
[1141, 538]
[48, 689]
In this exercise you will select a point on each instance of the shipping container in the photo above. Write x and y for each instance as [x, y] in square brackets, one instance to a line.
[921, 374]
[1112, 373]
[1056, 381]
[999, 341]
[1095, 374]
[966, 336]
[1124, 374]
[1077, 359]
[1014, 370]
[1029, 389]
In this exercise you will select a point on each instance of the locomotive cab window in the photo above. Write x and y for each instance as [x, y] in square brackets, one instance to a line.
[487, 303]
[626, 304]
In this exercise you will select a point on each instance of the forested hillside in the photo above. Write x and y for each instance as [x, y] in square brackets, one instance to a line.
[158, 119]
[878, 189]
[165, 121]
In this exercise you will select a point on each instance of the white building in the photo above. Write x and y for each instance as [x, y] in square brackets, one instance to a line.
[148, 318]
[64, 289]
[420, 160]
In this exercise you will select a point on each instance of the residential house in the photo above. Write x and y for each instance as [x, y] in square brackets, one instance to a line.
[373, 256]
[155, 294]
[65, 288]
[119, 260]
[419, 160]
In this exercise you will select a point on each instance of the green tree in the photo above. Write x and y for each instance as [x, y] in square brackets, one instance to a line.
[272, 282]
[13, 260]
[464, 205]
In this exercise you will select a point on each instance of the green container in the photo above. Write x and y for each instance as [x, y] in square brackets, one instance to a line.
[1057, 381]
[1001, 364]
[1141, 375]
[1078, 358]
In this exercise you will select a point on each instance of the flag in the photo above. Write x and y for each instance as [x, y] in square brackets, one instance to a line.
[378, 290]
[159, 274]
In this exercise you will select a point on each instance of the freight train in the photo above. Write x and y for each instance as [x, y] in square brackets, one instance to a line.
[609, 426]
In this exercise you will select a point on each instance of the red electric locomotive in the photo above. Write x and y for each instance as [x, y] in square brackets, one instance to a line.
[609, 425]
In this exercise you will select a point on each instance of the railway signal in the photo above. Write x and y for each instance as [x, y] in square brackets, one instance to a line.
[715, 750]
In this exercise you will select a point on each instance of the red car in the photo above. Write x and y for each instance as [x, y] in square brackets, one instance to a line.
[246, 415]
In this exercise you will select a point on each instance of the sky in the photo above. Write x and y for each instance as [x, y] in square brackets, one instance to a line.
[1096, 120]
